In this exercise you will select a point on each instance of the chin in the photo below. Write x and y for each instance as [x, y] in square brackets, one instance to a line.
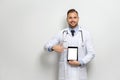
[73, 26]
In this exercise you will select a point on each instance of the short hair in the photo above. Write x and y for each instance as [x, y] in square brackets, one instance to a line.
[71, 11]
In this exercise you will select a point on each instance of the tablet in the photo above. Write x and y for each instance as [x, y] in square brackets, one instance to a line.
[72, 53]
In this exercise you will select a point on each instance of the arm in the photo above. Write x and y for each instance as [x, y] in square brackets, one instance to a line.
[54, 44]
[90, 53]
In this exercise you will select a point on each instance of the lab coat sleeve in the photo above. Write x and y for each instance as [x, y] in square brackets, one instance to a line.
[55, 40]
[90, 53]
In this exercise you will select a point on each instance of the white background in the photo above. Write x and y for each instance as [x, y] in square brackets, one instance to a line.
[25, 26]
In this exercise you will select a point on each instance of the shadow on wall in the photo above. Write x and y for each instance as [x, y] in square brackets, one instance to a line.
[49, 62]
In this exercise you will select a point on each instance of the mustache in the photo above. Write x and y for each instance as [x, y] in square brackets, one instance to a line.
[72, 21]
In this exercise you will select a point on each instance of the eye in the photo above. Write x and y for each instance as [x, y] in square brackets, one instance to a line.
[70, 17]
[75, 17]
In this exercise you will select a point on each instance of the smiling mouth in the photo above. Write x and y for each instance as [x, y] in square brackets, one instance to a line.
[72, 22]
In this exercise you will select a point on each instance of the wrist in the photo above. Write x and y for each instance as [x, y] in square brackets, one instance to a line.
[79, 64]
[52, 49]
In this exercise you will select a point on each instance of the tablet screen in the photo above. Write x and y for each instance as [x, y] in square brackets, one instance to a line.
[72, 53]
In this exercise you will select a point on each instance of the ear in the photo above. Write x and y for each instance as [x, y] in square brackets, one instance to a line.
[67, 19]
[78, 19]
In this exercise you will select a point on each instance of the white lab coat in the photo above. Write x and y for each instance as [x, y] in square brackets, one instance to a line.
[85, 53]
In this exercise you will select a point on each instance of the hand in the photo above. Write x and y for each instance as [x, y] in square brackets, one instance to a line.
[74, 63]
[58, 48]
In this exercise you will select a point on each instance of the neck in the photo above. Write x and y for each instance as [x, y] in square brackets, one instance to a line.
[73, 27]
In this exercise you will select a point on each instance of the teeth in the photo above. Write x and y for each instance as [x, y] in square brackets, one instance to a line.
[72, 22]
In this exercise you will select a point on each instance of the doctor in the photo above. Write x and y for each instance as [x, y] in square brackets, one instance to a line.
[74, 36]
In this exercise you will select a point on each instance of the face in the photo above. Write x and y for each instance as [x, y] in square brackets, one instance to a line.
[72, 19]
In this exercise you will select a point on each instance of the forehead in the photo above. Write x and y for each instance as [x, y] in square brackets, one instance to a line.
[72, 14]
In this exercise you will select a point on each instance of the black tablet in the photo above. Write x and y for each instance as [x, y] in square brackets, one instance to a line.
[72, 53]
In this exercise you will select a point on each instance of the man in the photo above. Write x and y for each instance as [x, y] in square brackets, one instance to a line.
[73, 36]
